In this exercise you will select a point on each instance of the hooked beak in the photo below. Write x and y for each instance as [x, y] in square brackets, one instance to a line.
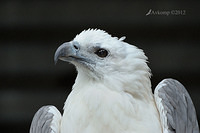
[67, 51]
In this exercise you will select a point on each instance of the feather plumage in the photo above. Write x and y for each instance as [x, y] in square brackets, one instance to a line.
[112, 92]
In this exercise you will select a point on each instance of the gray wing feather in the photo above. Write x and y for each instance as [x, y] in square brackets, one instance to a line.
[177, 112]
[45, 120]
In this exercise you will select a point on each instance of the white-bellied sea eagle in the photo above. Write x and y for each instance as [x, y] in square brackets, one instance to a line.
[112, 92]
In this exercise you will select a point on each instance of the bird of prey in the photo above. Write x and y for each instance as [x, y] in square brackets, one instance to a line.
[112, 92]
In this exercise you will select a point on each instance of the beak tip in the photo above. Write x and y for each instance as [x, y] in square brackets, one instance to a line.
[61, 52]
[56, 59]
[57, 54]
[55, 62]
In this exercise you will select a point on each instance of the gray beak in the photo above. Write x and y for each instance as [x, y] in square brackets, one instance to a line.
[66, 51]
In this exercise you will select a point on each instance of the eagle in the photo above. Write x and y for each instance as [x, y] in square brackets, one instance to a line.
[112, 92]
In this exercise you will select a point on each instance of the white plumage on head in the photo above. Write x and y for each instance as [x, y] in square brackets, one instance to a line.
[110, 91]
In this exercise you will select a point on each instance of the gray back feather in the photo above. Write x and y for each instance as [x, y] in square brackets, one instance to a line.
[42, 120]
[177, 112]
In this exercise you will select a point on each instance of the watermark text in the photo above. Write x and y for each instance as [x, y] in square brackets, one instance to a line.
[152, 12]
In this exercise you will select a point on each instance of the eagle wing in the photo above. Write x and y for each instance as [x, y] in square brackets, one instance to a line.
[46, 120]
[177, 112]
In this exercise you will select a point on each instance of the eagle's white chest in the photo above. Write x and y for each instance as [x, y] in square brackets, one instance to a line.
[100, 110]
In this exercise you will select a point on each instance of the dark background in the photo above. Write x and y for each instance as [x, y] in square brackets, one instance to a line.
[31, 31]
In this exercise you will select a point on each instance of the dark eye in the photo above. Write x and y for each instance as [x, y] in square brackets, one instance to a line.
[101, 53]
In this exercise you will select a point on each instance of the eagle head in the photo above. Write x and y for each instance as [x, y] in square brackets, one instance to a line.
[100, 57]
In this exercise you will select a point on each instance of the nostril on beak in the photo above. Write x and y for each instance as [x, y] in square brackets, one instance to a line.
[76, 46]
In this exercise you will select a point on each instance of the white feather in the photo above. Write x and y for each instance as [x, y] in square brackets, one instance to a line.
[115, 97]
[162, 111]
[55, 124]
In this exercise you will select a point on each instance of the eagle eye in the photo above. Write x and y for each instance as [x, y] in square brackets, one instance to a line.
[101, 53]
